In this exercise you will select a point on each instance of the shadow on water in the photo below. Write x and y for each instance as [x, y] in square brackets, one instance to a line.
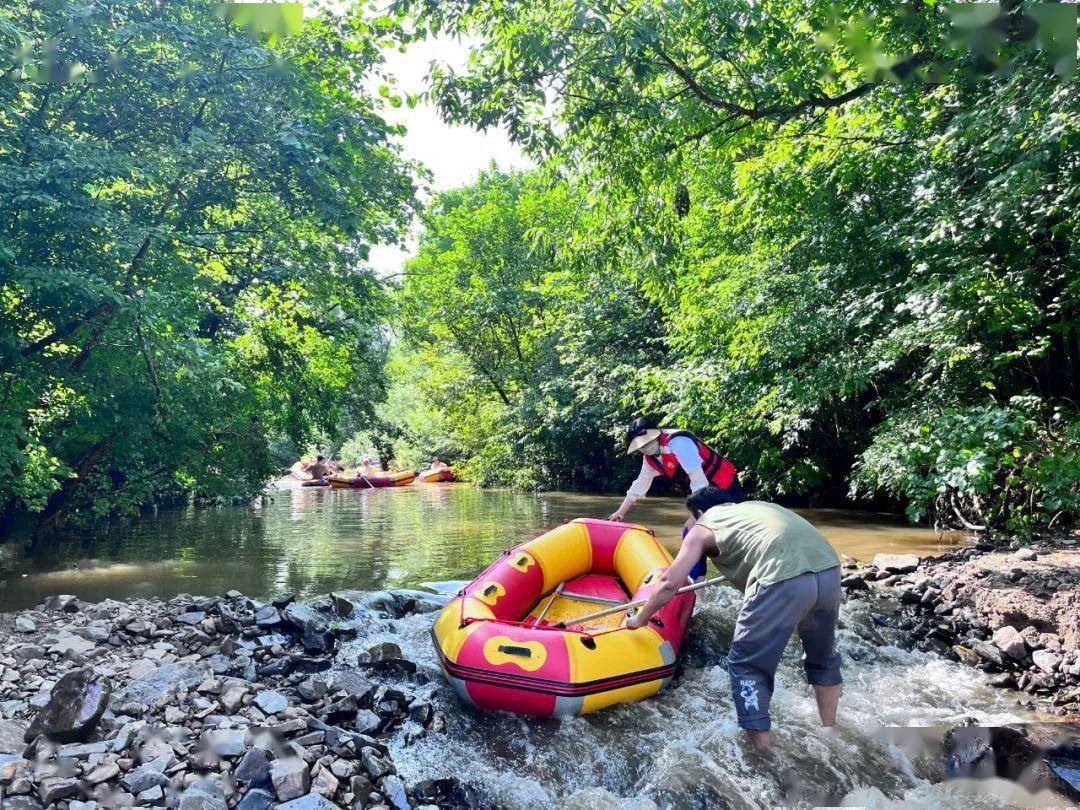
[311, 541]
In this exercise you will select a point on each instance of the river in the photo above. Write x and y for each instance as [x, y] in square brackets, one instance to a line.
[680, 749]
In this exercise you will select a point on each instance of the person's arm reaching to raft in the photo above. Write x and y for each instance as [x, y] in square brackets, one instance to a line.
[689, 459]
[693, 546]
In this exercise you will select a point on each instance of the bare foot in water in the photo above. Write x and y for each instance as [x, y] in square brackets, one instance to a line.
[761, 740]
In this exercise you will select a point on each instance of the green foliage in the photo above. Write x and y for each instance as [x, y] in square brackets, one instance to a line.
[182, 245]
[513, 360]
[841, 233]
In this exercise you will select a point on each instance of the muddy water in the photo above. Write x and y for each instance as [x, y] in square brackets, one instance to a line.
[679, 750]
[313, 541]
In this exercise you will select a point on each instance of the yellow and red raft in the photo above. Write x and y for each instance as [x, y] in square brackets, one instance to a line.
[497, 656]
[435, 475]
[357, 481]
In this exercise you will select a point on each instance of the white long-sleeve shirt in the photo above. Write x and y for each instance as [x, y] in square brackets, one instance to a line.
[686, 452]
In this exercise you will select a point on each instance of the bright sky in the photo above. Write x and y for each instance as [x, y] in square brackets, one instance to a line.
[455, 155]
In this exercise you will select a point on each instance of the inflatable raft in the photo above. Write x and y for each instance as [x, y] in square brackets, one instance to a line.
[499, 640]
[435, 476]
[356, 481]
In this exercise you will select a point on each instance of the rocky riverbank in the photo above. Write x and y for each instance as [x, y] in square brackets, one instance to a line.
[1013, 613]
[211, 703]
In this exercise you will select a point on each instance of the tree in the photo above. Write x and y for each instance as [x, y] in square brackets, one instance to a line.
[185, 212]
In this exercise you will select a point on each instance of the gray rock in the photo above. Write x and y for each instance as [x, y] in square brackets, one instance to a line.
[64, 602]
[315, 635]
[1010, 642]
[83, 750]
[254, 769]
[146, 776]
[1047, 661]
[24, 624]
[53, 790]
[394, 790]
[291, 778]
[375, 765]
[267, 616]
[1026, 554]
[313, 801]
[989, 652]
[256, 799]
[75, 705]
[367, 722]
[232, 700]
[151, 795]
[191, 618]
[203, 795]
[226, 742]
[12, 736]
[21, 803]
[103, 773]
[68, 644]
[164, 680]
[271, 702]
[896, 563]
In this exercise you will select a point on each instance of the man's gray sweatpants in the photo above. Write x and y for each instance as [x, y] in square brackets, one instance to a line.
[809, 603]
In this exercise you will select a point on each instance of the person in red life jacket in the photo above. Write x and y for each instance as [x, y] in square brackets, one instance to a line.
[678, 455]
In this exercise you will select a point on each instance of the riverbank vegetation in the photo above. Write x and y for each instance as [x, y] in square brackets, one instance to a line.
[836, 248]
[185, 212]
[842, 249]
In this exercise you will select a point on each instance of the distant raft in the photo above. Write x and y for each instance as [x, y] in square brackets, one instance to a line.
[357, 481]
[435, 476]
[497, 656]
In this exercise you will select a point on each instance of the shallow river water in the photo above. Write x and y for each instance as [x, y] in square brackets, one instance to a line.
[680, 749]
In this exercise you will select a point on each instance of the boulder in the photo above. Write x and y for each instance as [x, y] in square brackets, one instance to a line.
[1010, 642]
[896, 563]
[394, 790]
[12, 736]
[367, 722]
[313, 801]
[53, 790]
[254, 769]
[271, 702]
[64, 602]
[1047, 661]
[75, 706]
[989, 652]
[226, 742]
[290, 777]
[203, 795]
[257, 799]
[315, 634]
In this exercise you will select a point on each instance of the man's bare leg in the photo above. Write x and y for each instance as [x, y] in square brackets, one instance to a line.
[761, 740]
[828, 698]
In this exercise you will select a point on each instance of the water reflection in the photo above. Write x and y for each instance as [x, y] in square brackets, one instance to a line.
[312, 540]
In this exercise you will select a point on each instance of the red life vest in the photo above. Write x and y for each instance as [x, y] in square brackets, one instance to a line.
[719, 471]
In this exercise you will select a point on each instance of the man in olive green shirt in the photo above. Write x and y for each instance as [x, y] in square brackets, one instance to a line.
[790, 578]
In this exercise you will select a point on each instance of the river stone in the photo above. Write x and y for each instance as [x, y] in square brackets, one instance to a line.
[24, 624]
[394, 790]
[256, 799]
[896, 563]
[1025, 555]
[291, 778]
[152, 774]
[968, 656]
[75, 705]
[164, 680]
[64, 602]
[271, 702]
[1047, 661]
[226, 742]
[315, 635]
[203, 795]
[102, 773]
[375, 765]
[367, 722]
[12, 736]
[989, 652]
[21, 803]
[254, 769]
[313, 801]
[1010, 642]
[53, 790]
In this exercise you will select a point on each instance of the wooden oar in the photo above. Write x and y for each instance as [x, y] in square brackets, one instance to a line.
[551, 600]
[637, 603]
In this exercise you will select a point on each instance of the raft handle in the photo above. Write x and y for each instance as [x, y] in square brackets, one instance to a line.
[510, 649]
[589, 642]
[490, 589]
[657, 621]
